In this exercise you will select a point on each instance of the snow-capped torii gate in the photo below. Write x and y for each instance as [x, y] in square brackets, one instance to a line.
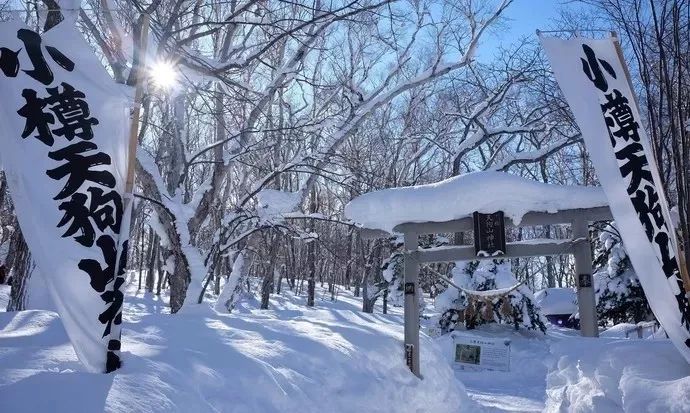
[448, 207]
[578, 246]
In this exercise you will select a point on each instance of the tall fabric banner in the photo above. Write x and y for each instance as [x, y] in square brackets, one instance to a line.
[595, 83]
[63, 144]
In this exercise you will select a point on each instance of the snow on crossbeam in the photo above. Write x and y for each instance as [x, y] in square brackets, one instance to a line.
[460, 196]
[517, 249]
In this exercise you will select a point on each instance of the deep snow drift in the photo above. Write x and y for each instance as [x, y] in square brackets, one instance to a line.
[617, 375]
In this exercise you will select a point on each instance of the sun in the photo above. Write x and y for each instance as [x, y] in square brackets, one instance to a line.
[163, 74]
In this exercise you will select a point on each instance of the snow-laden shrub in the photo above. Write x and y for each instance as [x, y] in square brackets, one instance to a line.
[620, 298]
[393, 268]
[393, 276]
[457, 308]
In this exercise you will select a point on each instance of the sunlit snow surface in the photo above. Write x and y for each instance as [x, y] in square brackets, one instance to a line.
[288, 359]
[330, 359]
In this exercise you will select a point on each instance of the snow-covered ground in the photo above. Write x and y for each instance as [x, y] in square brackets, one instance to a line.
[333, 358]
[288, 359]
[613, 375]
[563, 372]
[523, 388]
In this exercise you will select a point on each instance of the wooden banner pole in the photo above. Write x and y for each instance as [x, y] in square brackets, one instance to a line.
[113, 361]
[138, 96]
[683, 264]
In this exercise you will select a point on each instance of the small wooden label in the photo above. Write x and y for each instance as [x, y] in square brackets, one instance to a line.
[584, 280]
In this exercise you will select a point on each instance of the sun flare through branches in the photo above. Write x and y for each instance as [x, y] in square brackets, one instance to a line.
[163, 74]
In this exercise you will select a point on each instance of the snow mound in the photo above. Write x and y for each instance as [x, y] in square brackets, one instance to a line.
[611, 375]
[557, 300]
[460, 196]
[271, 361]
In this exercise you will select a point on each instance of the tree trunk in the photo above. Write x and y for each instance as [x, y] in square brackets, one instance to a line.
[153, 260]
[161, 275]
[370, 271]
[366, 301]
[292, 279]
[178, 280]
[311, 277]
[550, 266]
[3, 189]
[20, 267]
[266, 284]
[279, 281]
[311, 256]
[385, 301]
[224, 267]
[142, 246]
[268, 281]
[348, 257]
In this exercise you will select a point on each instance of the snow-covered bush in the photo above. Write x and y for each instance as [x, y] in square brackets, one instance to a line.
[457, 308]
[393, 276]
[620, 298]
[393, 268]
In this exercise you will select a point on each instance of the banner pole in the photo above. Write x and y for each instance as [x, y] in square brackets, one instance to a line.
[113, 361]
[676, 238]
[138, 96]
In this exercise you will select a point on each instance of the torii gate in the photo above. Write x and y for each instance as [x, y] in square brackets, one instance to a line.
[578, 246]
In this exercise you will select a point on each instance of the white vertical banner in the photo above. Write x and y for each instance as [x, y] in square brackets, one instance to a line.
[63, 143]
[595, 83]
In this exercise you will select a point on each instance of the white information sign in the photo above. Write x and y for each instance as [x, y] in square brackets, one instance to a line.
[472, 352]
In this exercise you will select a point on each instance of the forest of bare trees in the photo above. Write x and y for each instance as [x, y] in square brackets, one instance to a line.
[283, 111]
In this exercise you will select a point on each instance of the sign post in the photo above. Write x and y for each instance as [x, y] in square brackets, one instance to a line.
[586, 301]
[411, 303]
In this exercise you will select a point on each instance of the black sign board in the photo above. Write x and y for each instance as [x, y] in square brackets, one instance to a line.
[489, 234]
[584, 280]
[409, 288]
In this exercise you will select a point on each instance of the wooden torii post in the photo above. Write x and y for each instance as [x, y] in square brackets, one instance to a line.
[578, 246]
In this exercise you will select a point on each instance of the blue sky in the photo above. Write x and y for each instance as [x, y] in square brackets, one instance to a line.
[528, 15]
[524, 17]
